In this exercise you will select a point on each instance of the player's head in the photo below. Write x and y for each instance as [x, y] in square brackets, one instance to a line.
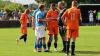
[61, 5]
[42, 7]
[74, 3]
[52, 6]
[27, 11]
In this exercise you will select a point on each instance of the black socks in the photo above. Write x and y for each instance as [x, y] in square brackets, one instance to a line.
[67, 47]
[49, 45]
[55, 45]
[64, 45]
[73, 48]
[24, 37]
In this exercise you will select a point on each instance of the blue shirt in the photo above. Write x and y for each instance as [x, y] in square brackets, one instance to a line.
[34, 14]
[39, 15]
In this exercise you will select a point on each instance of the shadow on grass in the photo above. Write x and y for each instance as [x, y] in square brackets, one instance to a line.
[88, 52]
[84, 52]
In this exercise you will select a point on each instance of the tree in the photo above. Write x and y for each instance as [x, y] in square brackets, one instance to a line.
[1, 4]
[68, 2]
[13, 6]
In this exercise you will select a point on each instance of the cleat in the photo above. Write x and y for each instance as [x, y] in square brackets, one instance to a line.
[17, 40]
[55, 49]
[73, 54]
[45, 50]
[39, 50]
[66, 54]
[35, 50]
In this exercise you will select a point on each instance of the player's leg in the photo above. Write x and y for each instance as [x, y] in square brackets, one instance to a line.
[50, 33]
[64, 43]
[62, 32]
[55, 37]
[69, 35]
[25, 38]
[22, 37]
[39, 44]
[74, 35]
[35, 40]
[55, 42]
[35, 46]
[22, 31]
[73, 47]
[68, 46]
[44, 44]
[49, 41]
[24, 34]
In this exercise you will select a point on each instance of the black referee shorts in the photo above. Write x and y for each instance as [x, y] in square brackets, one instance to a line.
[62, 31]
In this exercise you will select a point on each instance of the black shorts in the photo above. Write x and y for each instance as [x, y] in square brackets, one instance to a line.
[62, 31]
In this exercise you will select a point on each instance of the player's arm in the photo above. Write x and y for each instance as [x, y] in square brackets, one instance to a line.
[40, 19]
[33, 24]
[48, 16]
[64, 17]
[21, 19]
[28, 19]
[80, 16]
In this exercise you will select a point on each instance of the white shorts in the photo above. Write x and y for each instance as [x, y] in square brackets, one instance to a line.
[98, 18]
[91, 19]
[40, 31]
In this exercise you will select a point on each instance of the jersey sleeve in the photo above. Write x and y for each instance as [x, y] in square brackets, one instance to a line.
[48, 15]
[39, 16]
[65, 14]
[33, 14]
[79, 13]
[21, 18]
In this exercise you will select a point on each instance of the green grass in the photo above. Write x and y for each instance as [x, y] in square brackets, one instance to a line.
[88, 43]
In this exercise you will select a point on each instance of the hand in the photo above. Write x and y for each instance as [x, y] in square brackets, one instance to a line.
[33, 28]
[64, 27]
[45, 29]
[23, 26]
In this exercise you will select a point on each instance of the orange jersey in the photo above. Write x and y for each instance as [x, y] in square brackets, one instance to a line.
[72, 15]
[52, 17]
[52, 21]
[23, 19]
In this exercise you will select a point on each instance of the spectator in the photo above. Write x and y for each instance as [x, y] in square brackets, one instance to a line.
[98, 16]
[15, 14]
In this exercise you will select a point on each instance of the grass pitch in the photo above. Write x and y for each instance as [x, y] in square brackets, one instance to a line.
[88, 43]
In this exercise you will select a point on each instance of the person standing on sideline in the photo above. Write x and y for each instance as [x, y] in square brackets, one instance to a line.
[98, 17]
[52, 26]
[40, 25]
[62, 29]
[91, 17]
[23, 21]
[72, 15]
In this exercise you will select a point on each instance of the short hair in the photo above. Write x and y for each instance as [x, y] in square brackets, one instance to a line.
[74, 3]
[53, 4]
[61, 3]
[41, 6]
[27, 11]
